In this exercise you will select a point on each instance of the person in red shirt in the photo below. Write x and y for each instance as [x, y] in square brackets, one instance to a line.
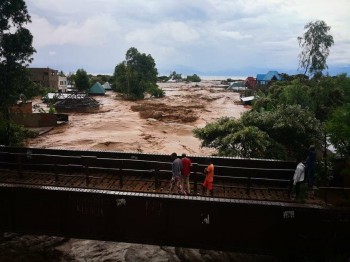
[185, 172]
[209, 178]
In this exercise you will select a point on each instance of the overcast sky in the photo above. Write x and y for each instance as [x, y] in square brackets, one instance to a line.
[206, 37]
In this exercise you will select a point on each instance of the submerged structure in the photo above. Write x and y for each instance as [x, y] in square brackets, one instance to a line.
[54, 97]
[76, 103]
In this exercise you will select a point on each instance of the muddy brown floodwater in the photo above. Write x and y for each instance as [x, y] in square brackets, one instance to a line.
[151, 126]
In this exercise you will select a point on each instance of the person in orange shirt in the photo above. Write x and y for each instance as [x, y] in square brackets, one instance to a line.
[209, 177]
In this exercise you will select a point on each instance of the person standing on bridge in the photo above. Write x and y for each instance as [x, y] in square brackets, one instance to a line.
[209, 177]
[310, 167]
[298, 177]
[185, 172]
[176, 174]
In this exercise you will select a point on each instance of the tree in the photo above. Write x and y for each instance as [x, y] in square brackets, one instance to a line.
[136, 75]
[315, 43]
[99, 78]
[82, 81]
[321, 96]
[193, 78]
[15, 54]
[338, 128]
[282, 133]
[292, 126]
[70, 78]
[232, 138]
[175, 76]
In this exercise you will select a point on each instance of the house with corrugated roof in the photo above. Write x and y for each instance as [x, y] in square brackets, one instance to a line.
[264, 79]
[97, 89]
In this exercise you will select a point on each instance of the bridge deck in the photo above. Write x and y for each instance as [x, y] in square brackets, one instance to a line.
[124, 197]
[145, 183]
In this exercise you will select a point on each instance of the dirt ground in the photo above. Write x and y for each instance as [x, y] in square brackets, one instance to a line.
[151, 126]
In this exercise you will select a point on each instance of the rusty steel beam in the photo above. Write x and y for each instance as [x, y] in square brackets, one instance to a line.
[186, 221]
[219, 161]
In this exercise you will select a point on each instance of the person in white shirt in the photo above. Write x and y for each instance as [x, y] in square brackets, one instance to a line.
[298, 177]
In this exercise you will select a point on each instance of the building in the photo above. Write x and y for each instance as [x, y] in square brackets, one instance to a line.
[46, 77]
[237, 86]
[107, 86]
[265, 79]
[250, 82]
[97, 89]
[62, 83]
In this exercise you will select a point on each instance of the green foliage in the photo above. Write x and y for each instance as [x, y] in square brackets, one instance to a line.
[121, 82]
[15, 54]
[175, 76]
[17, 133]
[100, 78]
[251, 142]
[280, 133]
[232, 138]
[136, 75]
[82, 81]
[330, 93]
[315, 43]
[34, 89]
[155, 91]
[52, 109]
[193, 78]
[163, 78]
[212, 134]
[338, 128]
[291, 116]
[321, 97]
[291, 126]
[295, 93]
[70, 78]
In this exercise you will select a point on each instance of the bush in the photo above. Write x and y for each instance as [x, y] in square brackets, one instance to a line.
[15, 137]
[193, 78]
[17, 134]
[163, 78]
[155, 91]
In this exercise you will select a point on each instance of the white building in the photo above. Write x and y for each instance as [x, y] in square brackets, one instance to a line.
[62, 84]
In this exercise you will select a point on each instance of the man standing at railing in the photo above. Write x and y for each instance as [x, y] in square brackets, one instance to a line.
[186, 171]
[209, 177]
[298, 178]
[176, 174]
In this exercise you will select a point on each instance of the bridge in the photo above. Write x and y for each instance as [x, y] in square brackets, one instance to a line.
[120, 196]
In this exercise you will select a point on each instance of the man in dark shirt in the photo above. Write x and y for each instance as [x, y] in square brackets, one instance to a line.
[176, 174]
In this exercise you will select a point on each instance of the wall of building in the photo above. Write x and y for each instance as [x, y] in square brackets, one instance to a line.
[25, 107]
[44, 76]
[35, 120]
[62, 83]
